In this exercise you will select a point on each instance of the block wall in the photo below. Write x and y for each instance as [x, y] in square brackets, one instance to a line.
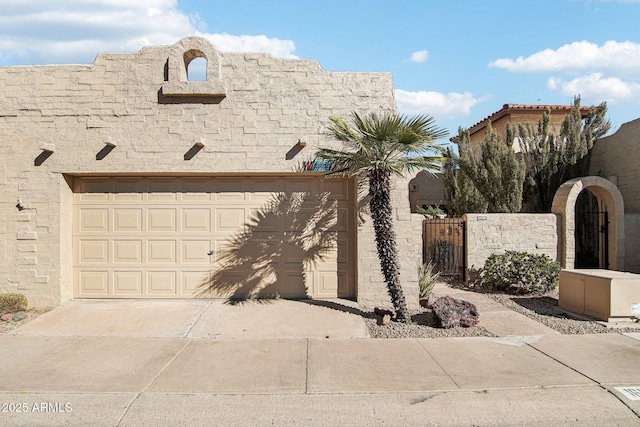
[498, 233]
[615, 157]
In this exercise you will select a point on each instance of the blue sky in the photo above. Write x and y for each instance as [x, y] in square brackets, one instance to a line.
[456, 60]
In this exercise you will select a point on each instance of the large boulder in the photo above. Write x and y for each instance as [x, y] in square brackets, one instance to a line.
[452, 312]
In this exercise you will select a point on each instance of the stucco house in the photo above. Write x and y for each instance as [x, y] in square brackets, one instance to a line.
[123, 179]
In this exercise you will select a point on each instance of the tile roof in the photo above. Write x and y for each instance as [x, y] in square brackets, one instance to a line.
[513, 108]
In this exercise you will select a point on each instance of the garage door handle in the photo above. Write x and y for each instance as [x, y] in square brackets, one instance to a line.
[211, 252]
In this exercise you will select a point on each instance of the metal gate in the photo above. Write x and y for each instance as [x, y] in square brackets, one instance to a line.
[592, 239]
[443, 244]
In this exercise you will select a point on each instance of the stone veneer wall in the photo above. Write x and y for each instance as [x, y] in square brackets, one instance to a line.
[498, 233]
[408, 227]
[249, 114]
[632, 243]
[615, 157]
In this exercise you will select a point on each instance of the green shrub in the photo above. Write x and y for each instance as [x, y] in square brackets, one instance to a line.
[431, 211]
[520, 272]
[427, 279]
[13, 302]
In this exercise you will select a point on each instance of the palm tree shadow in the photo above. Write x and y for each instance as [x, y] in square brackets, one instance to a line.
[340, 307]
[272, 254]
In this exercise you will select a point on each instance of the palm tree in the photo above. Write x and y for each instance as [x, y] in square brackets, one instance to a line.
[375, 148]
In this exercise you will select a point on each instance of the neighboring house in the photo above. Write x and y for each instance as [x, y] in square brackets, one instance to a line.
[123, 179]
[429, 190]
[519, 114]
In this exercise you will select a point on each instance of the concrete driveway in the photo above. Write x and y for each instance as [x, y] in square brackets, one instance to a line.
[201, 319]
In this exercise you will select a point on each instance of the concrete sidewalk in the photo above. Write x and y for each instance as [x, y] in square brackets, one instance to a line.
[174, 363]
[106, 381]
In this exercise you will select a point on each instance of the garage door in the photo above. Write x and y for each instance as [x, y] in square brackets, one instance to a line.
[185, 237]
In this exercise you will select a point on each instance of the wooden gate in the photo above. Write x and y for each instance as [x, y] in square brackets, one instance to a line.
[443, 244]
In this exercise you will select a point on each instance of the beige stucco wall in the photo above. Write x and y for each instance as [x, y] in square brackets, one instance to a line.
[408, 227]
[632, 243]
[498, 233]
[615, 157]
[269, 105]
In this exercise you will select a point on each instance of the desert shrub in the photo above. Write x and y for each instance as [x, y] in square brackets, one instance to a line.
[427, 279]
[520, 272]
[13, 302]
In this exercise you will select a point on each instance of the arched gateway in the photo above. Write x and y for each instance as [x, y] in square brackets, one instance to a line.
[610, 199]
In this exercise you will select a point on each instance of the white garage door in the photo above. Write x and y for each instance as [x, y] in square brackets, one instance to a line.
[185, 237]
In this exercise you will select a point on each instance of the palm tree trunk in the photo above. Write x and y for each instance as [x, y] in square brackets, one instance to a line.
[382, 215]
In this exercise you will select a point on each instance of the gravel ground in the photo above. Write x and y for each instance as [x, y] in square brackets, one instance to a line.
[541, 308]
[423, 325]
[544, 309]
[32, 313]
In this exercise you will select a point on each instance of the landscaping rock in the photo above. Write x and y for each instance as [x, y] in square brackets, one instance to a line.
[383, 315]
[384, 320]
[6, 317]
[453, 312]
[21, 315]
[381, 311]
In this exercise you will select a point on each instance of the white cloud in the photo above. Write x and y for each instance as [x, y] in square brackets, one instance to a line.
[74, 31]
[419, 56]
[276, 47]
[436, 104]
[612, 57]
[598, 87]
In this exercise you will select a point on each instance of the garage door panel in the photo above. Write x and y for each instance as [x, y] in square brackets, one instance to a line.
[127, 220]
[161, 220]
[127, 282]
[163, 189]
[344, 254]
[342, 220]
[195, 251]
[294, 284]
[196, 220]
[162, 283]
[127, 251]
[94, 220]
[93, 251]
[194, 282]
[229, 220]
[126, 189]
[152, 237]
[301, 185]
[227, 190]
[346, 284]
[93, 189]
[161, 252]
[327, 283]
[196, 189]
[93, 282]
[263, 190]
[335, 189]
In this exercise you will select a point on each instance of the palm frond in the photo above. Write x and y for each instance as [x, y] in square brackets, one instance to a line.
[388, 142]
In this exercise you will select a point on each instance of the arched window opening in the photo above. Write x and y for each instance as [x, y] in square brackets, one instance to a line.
[197, 70]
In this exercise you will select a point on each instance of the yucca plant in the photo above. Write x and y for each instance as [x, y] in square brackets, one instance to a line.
[375, 149]
[427, 279]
